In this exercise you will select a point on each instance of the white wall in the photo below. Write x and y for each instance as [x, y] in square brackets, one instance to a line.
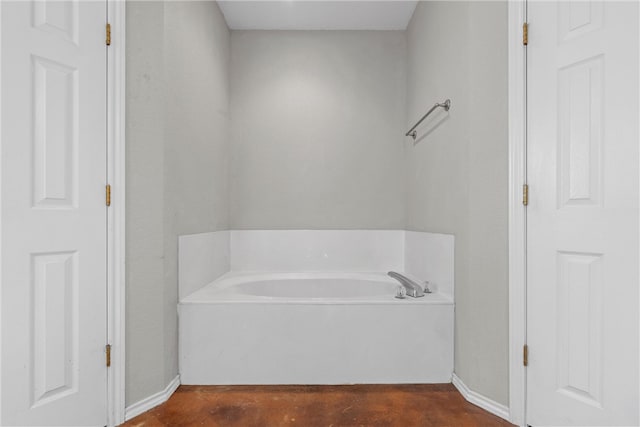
[457, 171]
[317, 122]
[177, 156]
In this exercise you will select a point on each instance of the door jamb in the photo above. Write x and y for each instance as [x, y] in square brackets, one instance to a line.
[517, 211]
[1, 284]
[116, 98]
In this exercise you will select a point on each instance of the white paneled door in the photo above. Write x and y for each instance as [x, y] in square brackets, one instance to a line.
[53, 213]
[582, 285]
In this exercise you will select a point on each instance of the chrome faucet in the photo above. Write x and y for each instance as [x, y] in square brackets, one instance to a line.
[411, 288]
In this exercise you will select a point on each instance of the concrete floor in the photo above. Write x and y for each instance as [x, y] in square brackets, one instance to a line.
[438, 405]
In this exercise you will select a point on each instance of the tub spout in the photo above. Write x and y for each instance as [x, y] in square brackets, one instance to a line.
[413, 289]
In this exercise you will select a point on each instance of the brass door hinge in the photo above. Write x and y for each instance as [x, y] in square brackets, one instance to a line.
[525, 195]
[108, 39]
[108, 354]
[525, 33]
[108, 195]
[525, 355]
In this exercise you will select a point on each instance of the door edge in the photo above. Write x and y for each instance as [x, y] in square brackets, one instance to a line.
[116, 114]
[517, 211]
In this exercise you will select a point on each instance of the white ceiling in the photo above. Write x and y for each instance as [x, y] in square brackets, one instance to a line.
[317, 15]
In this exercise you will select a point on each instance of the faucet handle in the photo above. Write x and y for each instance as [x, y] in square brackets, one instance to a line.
[401, 292]
[427, 288]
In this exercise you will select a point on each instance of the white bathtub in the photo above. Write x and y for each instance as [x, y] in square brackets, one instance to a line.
[313, 328]
[303, 287]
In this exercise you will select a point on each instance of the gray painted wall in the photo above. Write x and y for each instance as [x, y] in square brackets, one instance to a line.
[196, 190]
[145, 336]
[317, 120]
[457, 172]
[177, 168]
[485, 367]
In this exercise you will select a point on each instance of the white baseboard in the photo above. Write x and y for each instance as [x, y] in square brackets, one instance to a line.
[477, 399]
[152, 401]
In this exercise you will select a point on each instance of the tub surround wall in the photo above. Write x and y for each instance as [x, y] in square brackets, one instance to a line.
[177, 152]
[430, 256]
[316, 250]
[317, 121]
[457, 171]
[202, 258]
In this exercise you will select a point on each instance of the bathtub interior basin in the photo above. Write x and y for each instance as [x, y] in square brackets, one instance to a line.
[315, 288]
[300, 287]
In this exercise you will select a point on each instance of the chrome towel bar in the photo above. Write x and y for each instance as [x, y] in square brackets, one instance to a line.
[412, 132]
